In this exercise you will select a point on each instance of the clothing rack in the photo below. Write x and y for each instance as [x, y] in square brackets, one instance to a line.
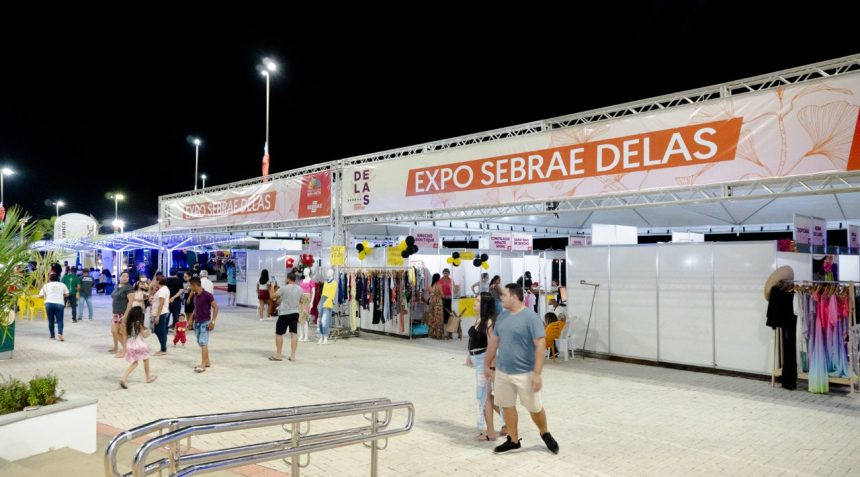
[382, 270]
[852, 317]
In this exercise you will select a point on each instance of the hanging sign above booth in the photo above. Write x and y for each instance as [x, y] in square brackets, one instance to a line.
[819, 232]
[501, 241]
[578, 241]
[802, 231]
[425, 238]
[854, 237]
[521, 242]
[279, 200]
[733, 139]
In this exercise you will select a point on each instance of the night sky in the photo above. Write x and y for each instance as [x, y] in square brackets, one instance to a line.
[92, 104]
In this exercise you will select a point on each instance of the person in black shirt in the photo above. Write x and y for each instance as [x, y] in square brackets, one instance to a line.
[174, 284]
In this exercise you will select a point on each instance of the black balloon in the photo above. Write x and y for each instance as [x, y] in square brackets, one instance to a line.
[404, 254]
[410, 240]
[477, 262]
[413, 250]
[456, 255]
[484, 257]
[359, 247]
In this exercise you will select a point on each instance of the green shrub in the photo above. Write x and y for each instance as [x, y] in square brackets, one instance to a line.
[13, 396]
[16, 395]
[43, 391]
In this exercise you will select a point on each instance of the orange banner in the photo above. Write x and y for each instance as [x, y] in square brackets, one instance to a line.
[255, 204]
[690, 145]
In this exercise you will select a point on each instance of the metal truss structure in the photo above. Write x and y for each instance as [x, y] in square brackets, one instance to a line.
[818, 184]
[822, 70]
[756, 189]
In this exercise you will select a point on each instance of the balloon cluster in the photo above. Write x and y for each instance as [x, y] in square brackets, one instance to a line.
[408, 247]
[454, 259]
[482, 261]
[364, 249]
[307, 260]
[290, 262]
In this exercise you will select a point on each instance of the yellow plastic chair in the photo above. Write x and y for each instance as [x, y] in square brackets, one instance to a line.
[37, 304]
[24, 307]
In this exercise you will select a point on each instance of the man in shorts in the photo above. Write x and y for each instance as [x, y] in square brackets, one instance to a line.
[205, 316]
[520, 339]
[291, 296]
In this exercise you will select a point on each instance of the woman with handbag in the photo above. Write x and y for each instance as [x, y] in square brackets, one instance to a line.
[479, 336]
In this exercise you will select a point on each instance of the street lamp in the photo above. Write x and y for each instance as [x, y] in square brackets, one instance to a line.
[269, 68]
[203, 176]
[197, 142]
[119, 224]
[58, 204]
[116, 196]
[4, 172]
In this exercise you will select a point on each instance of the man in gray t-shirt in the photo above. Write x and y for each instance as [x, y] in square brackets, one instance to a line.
[291, 294]
[520, 339]
[85, 293]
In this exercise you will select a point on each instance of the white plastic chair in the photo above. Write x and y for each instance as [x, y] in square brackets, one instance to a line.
[565, 343]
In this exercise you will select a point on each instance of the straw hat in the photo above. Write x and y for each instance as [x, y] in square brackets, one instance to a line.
[782, 273]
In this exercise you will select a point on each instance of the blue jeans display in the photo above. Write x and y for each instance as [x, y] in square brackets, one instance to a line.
[55, 315]
[325, 322]
[89, 301]
[483, 389]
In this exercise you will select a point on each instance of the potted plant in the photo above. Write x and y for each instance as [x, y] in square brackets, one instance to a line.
[17, 237]
[36, 417]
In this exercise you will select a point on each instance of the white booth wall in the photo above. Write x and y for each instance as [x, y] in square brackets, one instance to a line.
[272, 260]
[696, 304]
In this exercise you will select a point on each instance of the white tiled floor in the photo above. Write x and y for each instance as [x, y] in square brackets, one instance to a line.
[610, 418]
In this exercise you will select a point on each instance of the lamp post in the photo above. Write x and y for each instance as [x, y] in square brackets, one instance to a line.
[4, 172]
[58, 204]
[116, 196]
[197, 143]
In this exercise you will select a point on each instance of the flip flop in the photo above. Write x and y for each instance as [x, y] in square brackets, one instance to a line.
[291, 359]
[198, 369]
[272, 358]
[151, 379]
[123, 385]
[483, 437]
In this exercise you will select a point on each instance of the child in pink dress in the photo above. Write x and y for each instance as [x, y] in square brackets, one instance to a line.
[135, 348]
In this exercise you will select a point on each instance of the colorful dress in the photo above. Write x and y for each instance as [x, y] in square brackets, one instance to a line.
[434, 315]
[136, 349]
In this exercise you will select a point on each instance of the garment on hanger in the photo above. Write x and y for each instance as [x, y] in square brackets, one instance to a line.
[780, 314]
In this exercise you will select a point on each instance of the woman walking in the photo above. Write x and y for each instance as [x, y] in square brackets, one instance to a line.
[55, 293]
[479, 335]
[435, 319]
[263, 293]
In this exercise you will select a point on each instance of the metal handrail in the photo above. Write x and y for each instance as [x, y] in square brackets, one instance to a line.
[380, 411]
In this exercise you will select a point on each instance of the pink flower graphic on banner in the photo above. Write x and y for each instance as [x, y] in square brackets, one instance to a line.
[577, 135]
[831, 128]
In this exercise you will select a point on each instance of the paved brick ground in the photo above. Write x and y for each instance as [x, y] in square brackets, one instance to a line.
[610, 418]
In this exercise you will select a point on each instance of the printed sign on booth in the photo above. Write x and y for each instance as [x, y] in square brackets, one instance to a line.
[521, 242]
[338, 255]
[425, 238]
[501, 241]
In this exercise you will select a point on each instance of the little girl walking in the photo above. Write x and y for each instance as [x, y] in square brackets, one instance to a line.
[136, 348]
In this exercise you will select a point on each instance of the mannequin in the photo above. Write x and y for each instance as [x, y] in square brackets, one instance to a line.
[329, 293]
[308, 287]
